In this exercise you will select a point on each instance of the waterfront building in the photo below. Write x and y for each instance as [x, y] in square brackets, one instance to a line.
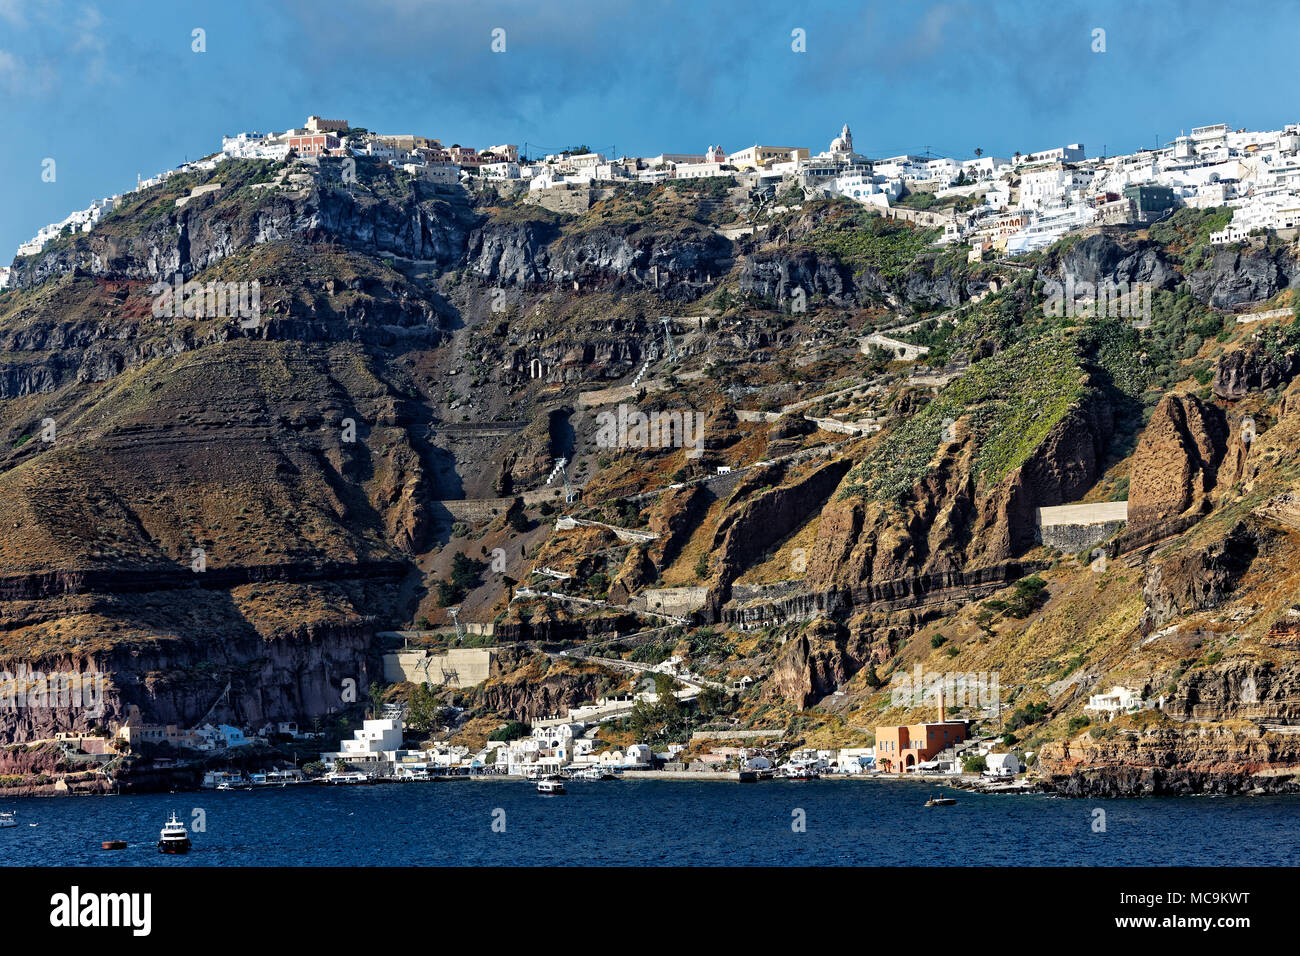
[370, 742]
[901, 749]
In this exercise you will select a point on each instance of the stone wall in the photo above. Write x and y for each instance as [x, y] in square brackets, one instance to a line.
[456, 667]
[1074, 538]
[562, 199]
[675, 602]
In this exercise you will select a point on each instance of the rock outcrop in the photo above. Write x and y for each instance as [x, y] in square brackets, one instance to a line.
[1194, 580]
[1175, 466]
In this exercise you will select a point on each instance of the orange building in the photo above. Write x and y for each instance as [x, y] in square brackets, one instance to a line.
[313, 144]
[901, 749]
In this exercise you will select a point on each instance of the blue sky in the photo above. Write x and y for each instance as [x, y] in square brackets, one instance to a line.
[112, 88]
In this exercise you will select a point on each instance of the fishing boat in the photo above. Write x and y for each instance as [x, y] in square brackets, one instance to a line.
[940, 802]
[551, 786]
[174, 837]
[7, 820]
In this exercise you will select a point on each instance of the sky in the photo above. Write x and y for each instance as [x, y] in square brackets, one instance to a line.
[112, 89]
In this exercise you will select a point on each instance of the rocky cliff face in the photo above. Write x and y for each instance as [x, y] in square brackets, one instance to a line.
[1228, 734]
[1193, 580]
[296, 675]
[1102, 258]
[1238, 277]
[812, 665]
[947, 523]
[1251, 369]
[526, 687]
[1175, 466]
[745, 532]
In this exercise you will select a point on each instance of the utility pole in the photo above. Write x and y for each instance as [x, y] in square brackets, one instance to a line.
[666, 322]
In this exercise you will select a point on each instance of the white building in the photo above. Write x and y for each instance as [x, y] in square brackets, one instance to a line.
[1001, 765]
[1120, 700]
[254, 146]
[1053, 185]
[505, 170]
[638, 755]
[1277, 211]
[370, 742]
[83, 220]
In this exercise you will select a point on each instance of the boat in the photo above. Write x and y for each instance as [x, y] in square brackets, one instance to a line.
[224, 780]
[551, 786]
[802, 773]
[352, 776]
[7, 820]
[113, 845]
[593, 773]
[174, 837]
[940, 802]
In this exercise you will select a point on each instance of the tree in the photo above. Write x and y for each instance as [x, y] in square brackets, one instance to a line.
[710, 701]
[511, 731]
[1030, 594]
[422, 708]
[978, 152]
[377, 695]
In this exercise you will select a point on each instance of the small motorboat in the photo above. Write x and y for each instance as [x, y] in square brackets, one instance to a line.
[174, 837]
[940, 801]
[113, 845]
[551, 786]
[7, 820]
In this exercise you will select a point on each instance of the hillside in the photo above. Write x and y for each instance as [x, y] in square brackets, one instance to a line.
[423, 355]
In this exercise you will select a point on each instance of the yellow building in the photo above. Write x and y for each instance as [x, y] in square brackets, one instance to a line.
[759, 157]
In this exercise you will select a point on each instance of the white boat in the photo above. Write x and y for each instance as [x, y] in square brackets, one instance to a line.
[174, 838]
[594, 773]
[223, 780]
[7, 820]
[551, 786]
[352, 776]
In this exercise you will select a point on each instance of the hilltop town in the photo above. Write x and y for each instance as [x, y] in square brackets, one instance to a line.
[1056, 191]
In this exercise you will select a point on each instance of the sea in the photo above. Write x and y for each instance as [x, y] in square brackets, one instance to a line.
[502, 822]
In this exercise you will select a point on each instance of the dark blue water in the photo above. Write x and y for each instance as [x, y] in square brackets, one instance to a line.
[652, 822]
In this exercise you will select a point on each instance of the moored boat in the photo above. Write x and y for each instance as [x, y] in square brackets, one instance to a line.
[551, 786]
[801, 773]
[352, 777]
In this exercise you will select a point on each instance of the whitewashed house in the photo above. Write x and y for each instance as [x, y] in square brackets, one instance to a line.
[370, 742]
[1120, 700]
